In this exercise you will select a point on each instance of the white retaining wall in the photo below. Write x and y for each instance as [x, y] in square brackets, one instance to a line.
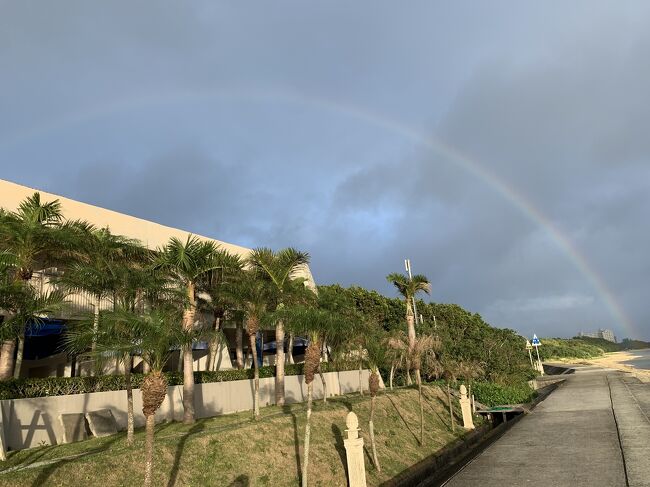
[34, 422]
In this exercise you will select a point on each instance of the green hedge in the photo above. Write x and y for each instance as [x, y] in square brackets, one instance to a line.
[492, 394]
[59, 386]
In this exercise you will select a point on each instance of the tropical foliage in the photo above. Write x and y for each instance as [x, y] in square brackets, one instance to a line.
[157, 305]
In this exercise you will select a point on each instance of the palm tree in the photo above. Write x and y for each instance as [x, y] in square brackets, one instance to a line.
[100, 268]
[154, 334]
[313, 323]
[23, 307]
[27, 234]
[254, 296]
[219, 302]
[280, 268]
[396, 350]
[423, 346]
[376, 357]
[408, 288]
[186, 262]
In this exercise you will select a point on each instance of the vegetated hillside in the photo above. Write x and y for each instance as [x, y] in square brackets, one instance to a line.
[554, 348]
[604, 345]
[469, 344]
[629, 344]
[584, 347]
[235, 451]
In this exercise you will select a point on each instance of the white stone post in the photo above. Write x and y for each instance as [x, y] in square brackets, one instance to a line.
[354, 451]
[466, 408]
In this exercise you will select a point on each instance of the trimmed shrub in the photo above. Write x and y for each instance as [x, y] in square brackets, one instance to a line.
[492, 394]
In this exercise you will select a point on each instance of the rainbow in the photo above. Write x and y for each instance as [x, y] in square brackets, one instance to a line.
[450, 153]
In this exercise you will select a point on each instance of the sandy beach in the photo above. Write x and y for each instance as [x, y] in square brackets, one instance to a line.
[616, 360]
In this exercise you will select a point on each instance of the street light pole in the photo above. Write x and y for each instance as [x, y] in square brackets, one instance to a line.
[407, 264]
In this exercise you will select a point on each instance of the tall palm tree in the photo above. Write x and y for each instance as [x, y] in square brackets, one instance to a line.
[24, 307]
[280, 269]
[408, 288]
[376, 357]
[313, 323]
[100, 268]
[253, 296]
[186, 263]
[154, 334]
[219, 302]
[397, 350]
[423, 346]
[27, 234]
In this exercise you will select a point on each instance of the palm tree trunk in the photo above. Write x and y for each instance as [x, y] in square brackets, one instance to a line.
[128, 365]
[256, 398]
[188, 362]
[19, 356]
[7, 359]
[410, 325]
[154, 389]
[148, 454]
[371, 427]
[408, 373]
[322, 379]
[95, 367]
[451, 410]
[360, 378]
[239, 345]
[324, 354]
[290, 353]
[214, 345]
[188, 385]
[421, 414]
[305, 465]
[215, 350]
[279, 363]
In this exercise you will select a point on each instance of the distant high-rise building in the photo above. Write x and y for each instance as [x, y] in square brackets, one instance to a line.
[605, 334]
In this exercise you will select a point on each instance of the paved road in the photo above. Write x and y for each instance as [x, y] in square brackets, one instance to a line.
[592, 431]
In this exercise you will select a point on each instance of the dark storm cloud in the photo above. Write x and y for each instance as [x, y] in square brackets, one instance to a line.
[294, 125]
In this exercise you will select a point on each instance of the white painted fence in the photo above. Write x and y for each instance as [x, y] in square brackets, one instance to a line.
[27, 423]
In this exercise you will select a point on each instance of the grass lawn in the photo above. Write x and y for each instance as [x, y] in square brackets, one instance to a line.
[233, 450]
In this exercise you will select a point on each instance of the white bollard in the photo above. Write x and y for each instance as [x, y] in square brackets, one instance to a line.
[466, 409]
[354, 451]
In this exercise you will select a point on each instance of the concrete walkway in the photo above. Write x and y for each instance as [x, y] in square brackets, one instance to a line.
[592, 431]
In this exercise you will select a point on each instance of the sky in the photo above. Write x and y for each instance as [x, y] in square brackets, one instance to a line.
[502, 147]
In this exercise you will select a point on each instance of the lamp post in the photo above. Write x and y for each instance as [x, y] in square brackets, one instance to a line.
[407, 265]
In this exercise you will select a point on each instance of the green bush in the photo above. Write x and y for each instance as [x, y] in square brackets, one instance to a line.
[492, 394]
[59, 386]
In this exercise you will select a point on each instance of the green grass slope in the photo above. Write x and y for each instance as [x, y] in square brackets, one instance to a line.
[234, 450]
